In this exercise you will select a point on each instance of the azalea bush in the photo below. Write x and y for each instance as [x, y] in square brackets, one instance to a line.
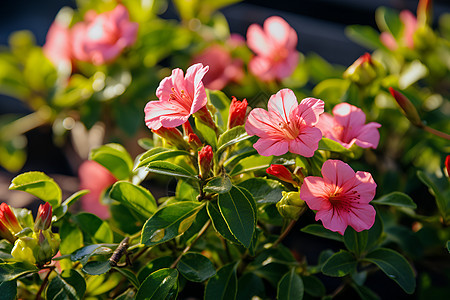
[254, 146]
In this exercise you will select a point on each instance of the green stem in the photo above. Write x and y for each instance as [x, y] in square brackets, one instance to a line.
[26, 123]
[284, 233]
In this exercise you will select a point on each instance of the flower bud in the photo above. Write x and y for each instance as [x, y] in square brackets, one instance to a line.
[6, 234]
[205, 157]
[173, 136]
[291, 206]
[48, 243]
[424, 12]
[237, 113]
[24, 248]
[406, 107]
[447, 165]
[364, 70]
[44, 217]
[282, 173]
[204, 115]
[8, 218]
[192, 138]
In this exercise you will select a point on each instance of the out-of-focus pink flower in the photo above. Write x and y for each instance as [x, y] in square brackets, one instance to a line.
[8, 218]
[44, 217]
[179, 97]
[409, 27]
[237, 113]
[205, 158]
[236, 40]
[222, 67]
[275, 48]
[287, 125]
[95, 178]
[348, 127]
[341, 197]
[58, 46]
[102, 37]
[282, 173]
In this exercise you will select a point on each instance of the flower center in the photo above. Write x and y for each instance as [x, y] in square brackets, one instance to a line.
[290, 130]
[181, 99]
[344, 201]
[280, 54]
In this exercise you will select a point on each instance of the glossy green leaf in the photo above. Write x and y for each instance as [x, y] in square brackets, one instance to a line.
[290, 287]
[135, 197]
[146, 143]
[170, 169]
[251, 164]
[355, 242]
[13, 270]
[196, 267]
[219, 184]
[223, 286]
[152, 155]
[162, 284]
[8, 290]
[39, 185]
[13, 153]
[67, 285]
[186, 191]
[395, 266]
[231, 137]
[388, 21]
[238, 211]
[115, 158]
[222, 103]
[339, 264]
[332, 89]
[263, 190]
[365, 35]
[83, 254]
[272, 264]
[219, 222]
[128, 275]
[313, 286]
[375, 233]
[155, 265]
[319, 230]
[208, 133]
[169, 222]
[249, 286]
[60, 211]
[94, 228]
[396, 199]
[96, 267]
[442, 203]
[333, 146]
[71, 238]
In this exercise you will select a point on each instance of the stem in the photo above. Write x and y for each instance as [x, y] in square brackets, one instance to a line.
[44, 283]
[26, 123]
[437, 132]
[188, 247]
[284, 233]
[339, 289]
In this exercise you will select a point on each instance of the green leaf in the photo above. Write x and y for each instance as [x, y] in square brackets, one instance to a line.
[333, 146]
[67, 285]
[222, 103]
[395, 266]
[71, 238]
[231, 137]
[9, 290]
[364, 292]
[153, 155]
[83, 254]
[263, 190]
[238, 210]
[94, 228]
[441, 202]
[388, 21]
[170, 169]
[155, 265]
[115, 158]
[332, 89]
[11, 271]
[162, 284]
[374, 233]
[60, 211]
[396, 199]
[219, 222]
[319, 230]
[96, 267]
[249, 286]
[313, 286]
[219, 184]
[169, 222]
[146, 143]
[185, 191]
[223, 286]
[208, 133]
[135, 197]
[251, 164]
[196, 267]
[39, 185]
[290, 287]
[365, 35]
[128, 275]
[448, 246]
[355, 242]
[339, 264]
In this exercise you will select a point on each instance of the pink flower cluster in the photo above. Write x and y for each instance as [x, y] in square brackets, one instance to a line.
[99, 39]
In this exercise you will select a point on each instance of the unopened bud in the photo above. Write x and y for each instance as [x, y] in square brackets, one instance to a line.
[237, 112]
[282, 173]
[291, 206]
[44, 217]
[173, 136]
[24, 249]
[204, 115]
[48, 243]
[364, 70]
[407, 108]
[447, 165]
[424, 12]
[8, 218]
[191, 137]
[205, 159]
[6, 234]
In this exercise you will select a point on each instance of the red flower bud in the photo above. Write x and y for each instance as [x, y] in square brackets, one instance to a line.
[6, 234]
[205, 157]
[282, 173]
[204, 115]
[8, 218]
[447, 165]
[364, 70]
[173, 136]
[237, 112]
[424, 12]
[407, 108]
[193, 139]
[44, 217]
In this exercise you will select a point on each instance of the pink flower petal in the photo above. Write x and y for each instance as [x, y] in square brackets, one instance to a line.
[280, 31]
[337, 172]
[362, 217]
[257, 40]
[264, 124]
[369, 136]
[269, 147]
[307, 142]
[333, 220]
[315, 193]
[309, 110]
[283, 103]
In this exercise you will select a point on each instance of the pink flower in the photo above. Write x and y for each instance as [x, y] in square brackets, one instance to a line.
[95, 178]
[409, 28]
[58, 46]
[102, 37]
[341, 197]
[222, 67]
[179, 97]
[275, 48]
[287, 125]
[347, 127]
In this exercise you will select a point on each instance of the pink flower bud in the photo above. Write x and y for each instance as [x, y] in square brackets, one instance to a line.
[237, 113]
[8, 219]
[173, 136]
[44, 217]
[193, 139]
[282, 173]
[407, 108]
[447, 165]
[205, 157]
